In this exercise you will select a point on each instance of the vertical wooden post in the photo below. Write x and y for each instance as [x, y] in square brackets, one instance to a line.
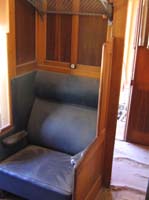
[41, 28]
[119, 24]
[11, 40]
[75, 33]
[58, 32]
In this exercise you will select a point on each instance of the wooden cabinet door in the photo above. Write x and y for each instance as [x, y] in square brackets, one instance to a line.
[138, 126]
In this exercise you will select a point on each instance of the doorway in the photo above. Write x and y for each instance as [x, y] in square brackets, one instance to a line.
[131, 161]
[127, 70]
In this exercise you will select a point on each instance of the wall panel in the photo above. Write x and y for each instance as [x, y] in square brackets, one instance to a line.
[92, 35]
[58, 37]
[25, 31]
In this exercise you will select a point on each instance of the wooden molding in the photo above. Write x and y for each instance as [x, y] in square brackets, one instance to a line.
[26, 67]
[12, 40]
[75, 33]
[81, 70]
[41, 27]
[88, 174]
[104, 90]
[119, 25]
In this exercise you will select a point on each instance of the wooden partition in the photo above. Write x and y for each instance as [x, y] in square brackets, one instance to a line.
[25, 32]
[63, 40]
[58, 37]
[119, 28]
[90, 172]
[92, 35]
[55, 40]
[21, 38]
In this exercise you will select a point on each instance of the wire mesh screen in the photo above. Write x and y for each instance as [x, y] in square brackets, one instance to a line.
[82, 7]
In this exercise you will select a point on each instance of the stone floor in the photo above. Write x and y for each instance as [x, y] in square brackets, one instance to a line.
[130, 173]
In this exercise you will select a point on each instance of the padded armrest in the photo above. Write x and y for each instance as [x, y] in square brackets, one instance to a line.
[89, 170]
[14, 139]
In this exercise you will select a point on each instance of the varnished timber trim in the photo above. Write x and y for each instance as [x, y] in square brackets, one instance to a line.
[95, 189]
[11, 41]
[88, 71]
[26, 67]
[81, 70]
[105, 81]
[41, 30]
[11, 45]
[56, 63]
[119, 28]
[58, 38]
[89, 172]
[75, 33]
[57, 66]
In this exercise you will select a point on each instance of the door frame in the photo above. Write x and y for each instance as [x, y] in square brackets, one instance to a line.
[118, 32]
[139, 41]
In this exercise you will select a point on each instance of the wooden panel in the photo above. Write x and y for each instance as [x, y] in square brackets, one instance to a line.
[41, 38]
[92, 35]
[119, 25]
[104, 92]
[58, 37]
[138, 126]
[26, 67]
[88, 175]
[62, 67]
[75, 33]
[51, 37]
[11, 41]
[142, 69]
[25, 32]
[140, 111]
[66, 28]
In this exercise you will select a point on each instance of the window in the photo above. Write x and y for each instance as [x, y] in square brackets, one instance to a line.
[4, 93]
[4, 89]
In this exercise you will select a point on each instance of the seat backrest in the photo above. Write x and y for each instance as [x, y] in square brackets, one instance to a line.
[22, 99]
[67, 88]
[64, 114]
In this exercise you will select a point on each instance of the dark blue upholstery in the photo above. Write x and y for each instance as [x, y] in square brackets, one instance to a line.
[22, 99]
[63, 127]
[38, 173]
[5, 151]
[59, 111]
[67, 88]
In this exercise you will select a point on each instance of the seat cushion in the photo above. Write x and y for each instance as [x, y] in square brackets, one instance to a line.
[38, 173]
[63, 127]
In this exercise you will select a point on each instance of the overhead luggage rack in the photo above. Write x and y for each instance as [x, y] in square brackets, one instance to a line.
[82, 7]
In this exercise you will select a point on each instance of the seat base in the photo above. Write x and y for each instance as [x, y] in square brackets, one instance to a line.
[38, 173]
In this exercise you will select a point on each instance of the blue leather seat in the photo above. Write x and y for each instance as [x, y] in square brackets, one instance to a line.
[38, 173]
[60, 118]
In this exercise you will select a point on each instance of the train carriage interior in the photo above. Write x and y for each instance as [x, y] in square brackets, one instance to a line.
[74, 99]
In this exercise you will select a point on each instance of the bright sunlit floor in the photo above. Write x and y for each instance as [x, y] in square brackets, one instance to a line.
[130, 173]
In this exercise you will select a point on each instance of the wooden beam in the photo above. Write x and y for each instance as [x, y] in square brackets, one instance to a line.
[119, 24]
[12, 40]
[26, 67]
[62, 67]
[41, 34]
[75, 33]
